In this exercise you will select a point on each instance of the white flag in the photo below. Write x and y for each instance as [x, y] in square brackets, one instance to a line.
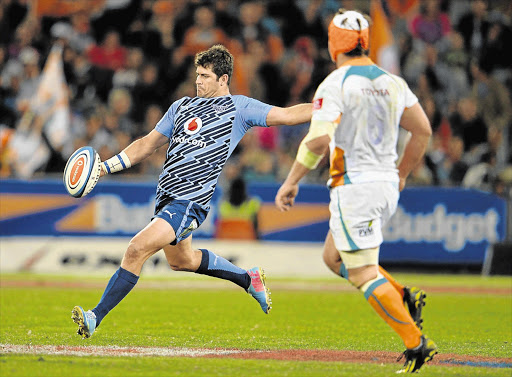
[48, 113]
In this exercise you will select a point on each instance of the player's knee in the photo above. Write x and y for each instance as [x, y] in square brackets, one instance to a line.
[134, 252]
[360, 276]
[181, 263]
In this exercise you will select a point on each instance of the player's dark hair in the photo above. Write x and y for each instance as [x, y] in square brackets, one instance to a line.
[218, 59]
[358, 51]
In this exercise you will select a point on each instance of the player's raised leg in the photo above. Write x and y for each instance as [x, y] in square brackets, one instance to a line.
[148, 241]
[183, 257]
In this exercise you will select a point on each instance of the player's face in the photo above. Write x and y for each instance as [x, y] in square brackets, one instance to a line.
[207, 83]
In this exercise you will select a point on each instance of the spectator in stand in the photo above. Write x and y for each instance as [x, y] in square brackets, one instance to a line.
[491, 96]
[120, 105]
[202, 34]
[314, 13]
[143, 32]
[95, 134]
[29, 57]
[128, 76]
[434, 77]
[80, 37]
[495, 107]
[225, 18]
[149, 90]
[499, 39]
[252, 59]
[110, 137]
[257, 163]
[12, 13]
[23, 37]
[288, 16]
[163, 21]
[12, 72]
[431, 24]
[10, 75]
[251, 25]
[452, 168]
[433, 114]
[473, 26]
[110, 54]
[299, 68]
[456, 60]
[468, 125]
[86, 89]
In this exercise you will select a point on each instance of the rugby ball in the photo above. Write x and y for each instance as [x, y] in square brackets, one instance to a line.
[82, 172]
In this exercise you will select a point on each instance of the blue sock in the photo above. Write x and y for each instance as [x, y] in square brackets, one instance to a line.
[343, 271]
[120, 284]
[216, 266]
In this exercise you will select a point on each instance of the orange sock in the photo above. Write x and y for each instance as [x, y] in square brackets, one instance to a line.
[399, 287]
[386, 301]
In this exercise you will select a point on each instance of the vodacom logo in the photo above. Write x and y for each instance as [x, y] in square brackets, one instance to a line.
[192, 126]
[76, 171]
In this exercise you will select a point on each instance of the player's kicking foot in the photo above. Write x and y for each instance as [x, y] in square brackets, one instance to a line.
[86, 321]
[416, 357]
[414, 298]
[258, 289]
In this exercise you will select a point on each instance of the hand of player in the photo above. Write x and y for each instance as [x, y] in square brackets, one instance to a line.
[102, 172]
[285, 197]
[401, 185]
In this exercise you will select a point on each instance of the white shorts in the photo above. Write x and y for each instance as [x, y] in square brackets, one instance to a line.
[358, 212]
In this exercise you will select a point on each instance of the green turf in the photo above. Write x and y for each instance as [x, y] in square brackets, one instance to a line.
[229, 318]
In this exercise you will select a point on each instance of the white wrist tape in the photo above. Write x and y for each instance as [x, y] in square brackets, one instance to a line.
[117, 163]
[308, 158]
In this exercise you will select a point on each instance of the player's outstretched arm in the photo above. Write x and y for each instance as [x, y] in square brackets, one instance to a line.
[134, 153]
[311, 151]
[290, 116]
[416, 122]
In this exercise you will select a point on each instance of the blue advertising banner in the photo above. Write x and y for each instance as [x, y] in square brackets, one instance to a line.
[444, 225]
[431, 225]
[40, 208]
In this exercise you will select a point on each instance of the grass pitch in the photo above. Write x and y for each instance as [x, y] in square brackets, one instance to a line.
[200, 312]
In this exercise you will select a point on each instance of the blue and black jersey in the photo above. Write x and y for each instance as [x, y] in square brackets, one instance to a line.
[203, 132]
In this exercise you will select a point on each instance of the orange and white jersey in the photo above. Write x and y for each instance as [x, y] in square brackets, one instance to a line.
[367, 104]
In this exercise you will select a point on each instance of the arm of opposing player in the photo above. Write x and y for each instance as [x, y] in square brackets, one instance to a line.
[416, 122]
[134, 153]
[290, 116]
[310, 153]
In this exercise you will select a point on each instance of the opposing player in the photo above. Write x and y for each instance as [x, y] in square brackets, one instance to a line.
[357, 111]
[202, 132]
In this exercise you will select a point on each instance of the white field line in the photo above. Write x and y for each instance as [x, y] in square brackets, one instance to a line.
[110, 351]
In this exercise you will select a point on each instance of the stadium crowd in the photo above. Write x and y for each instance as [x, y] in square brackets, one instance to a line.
[126, 61]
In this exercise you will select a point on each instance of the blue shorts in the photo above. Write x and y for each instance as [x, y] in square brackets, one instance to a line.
[183, 215]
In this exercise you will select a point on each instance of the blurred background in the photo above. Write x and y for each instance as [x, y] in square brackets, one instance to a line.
[103, 72]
